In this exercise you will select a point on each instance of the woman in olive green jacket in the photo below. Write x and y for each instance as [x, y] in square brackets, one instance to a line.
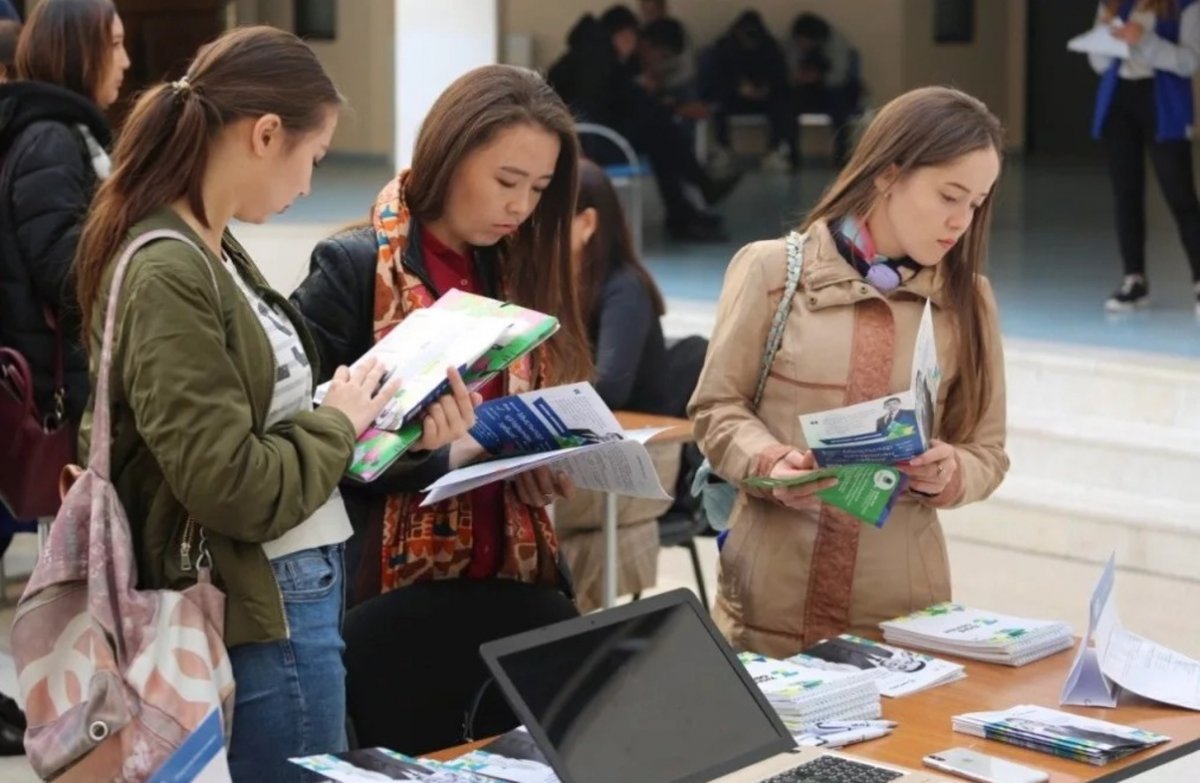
[218, 455]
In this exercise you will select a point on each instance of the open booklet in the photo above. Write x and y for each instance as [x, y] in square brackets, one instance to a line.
[860, 445]
[568, 428]
[899, 672]
[477, 335]
[1122, 659]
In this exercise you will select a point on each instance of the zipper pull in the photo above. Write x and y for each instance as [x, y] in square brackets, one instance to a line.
[185, 547]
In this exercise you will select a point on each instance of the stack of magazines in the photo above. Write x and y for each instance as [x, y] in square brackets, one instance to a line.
[898, 672]
[1060, 733]
[804, 695]
[973, 633]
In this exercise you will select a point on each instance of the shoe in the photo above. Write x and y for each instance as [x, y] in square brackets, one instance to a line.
[12, 740]
[10, 713]
[778, 161]
[715, 189]
[696, 230]
[1133, 293]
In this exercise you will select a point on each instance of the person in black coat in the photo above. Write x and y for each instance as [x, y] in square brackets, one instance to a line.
[597, 79]
[53, 136]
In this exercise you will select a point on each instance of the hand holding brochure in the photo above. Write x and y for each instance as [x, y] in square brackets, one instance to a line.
[568, 428]
[1100, 40]
[860, 444]
[524, 330]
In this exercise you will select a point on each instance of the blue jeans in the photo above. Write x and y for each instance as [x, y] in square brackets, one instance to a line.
[291, 694]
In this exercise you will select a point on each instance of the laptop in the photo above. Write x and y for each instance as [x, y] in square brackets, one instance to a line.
[650, 692]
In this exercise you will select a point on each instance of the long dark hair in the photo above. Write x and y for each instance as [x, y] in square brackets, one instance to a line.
[932, 126]
[162, 152]
[611, 247]
[535, 262]
[67, 43]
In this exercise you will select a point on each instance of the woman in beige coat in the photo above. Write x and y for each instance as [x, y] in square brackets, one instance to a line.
[906, 221]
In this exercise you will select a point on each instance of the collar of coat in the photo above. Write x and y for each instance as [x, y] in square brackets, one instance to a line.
[832, 281]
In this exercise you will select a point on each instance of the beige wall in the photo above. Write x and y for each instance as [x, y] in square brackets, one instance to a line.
[895, 37]
[359, 61]
[992, 67]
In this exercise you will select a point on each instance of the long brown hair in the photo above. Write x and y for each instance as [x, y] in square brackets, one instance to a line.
[67, 43]
[932, 126]
[1160, 8]
[611, 247]
[535, 262]
[162, 152]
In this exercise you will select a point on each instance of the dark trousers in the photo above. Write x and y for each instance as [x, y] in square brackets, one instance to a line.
[651, 130]
[778, 111]
[1129, 130]
[840, 103]
[413, 668]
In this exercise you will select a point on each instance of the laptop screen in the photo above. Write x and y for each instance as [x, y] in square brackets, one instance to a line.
[639, 693]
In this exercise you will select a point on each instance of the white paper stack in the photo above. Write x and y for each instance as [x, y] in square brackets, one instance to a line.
[804, 695]
[955, 629]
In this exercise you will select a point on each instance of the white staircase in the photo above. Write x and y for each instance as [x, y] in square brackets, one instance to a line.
[1105, 450]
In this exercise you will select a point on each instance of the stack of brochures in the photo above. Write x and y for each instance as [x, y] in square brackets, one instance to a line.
[898, 672]
[1059, 733]
[955, 629]
[805, 695]
[477, 335]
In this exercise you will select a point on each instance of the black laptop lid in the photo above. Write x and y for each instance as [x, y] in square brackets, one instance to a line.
[649, 692]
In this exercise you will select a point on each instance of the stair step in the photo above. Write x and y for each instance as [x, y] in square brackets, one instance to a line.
[1080, 523]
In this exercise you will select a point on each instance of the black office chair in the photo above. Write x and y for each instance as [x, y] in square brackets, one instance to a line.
[413, 670]
[679, 527]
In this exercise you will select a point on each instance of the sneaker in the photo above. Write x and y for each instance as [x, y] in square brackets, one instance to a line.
[778, 161]
[1134, 292]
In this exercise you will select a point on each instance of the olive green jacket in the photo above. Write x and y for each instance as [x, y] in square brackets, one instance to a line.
[192, 379]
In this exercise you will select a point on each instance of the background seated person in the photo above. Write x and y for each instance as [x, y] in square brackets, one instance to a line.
[597, 79]
[749, 76]
[824, 70]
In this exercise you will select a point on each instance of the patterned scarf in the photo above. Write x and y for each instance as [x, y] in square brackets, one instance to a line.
[855, 243]
[421, 544]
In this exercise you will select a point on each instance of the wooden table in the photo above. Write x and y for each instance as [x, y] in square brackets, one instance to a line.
[675, 431]
[924, 720]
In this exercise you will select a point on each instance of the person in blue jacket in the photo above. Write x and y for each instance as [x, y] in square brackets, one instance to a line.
[1145, 102]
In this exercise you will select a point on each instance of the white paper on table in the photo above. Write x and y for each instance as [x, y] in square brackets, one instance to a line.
[621, 466]
[1099, 40]
[1086, 685]
[1123, 659]
[502, 768]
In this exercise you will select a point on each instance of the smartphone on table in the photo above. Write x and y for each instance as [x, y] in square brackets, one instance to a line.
[980, 767]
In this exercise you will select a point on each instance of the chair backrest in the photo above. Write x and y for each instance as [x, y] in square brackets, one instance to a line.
[624, 170]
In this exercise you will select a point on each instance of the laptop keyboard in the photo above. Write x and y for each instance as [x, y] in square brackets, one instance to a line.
[832, 769]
